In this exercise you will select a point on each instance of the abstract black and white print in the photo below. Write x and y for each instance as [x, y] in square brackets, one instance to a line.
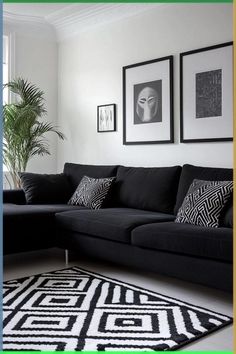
[91, 192]
[148, 102]
[106, 118]
[209, 94]
[78, 310]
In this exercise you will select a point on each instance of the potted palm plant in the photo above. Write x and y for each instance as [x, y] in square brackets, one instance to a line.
[23, 128]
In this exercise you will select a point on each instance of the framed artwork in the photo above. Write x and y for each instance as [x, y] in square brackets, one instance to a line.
[206, 94]
[106, 118]
[148, 102]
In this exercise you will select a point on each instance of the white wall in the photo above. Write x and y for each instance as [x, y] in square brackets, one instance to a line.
[90, 74]
[35, 52]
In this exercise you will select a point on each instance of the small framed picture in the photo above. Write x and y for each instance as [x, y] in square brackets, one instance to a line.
[106, 118]
[148, 102]
[206, 94]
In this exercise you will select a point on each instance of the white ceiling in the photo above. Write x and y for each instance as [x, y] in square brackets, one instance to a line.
[69, 19]
[35, 9]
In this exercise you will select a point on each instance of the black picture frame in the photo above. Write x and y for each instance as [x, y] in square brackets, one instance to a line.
[153, 78]
[106, 118]
[213, 95]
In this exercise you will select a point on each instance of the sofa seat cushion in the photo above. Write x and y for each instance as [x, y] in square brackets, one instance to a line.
[114, 224]
[26, 211]
[206, 242]
[28, 227]
[28, 219]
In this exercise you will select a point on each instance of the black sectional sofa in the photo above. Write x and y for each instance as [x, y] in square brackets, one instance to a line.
[136, 226]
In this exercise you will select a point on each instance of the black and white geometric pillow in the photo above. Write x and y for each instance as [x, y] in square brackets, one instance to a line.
[204, 202]
[91, 192]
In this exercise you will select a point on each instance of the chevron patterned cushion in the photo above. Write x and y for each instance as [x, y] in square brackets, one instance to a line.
[91, 192]
[204, 202]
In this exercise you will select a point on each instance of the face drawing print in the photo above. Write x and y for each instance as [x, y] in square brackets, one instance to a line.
[147, 102]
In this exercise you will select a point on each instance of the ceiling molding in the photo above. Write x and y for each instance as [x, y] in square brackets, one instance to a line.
[32, 26]
[80, 17]
[9, 16]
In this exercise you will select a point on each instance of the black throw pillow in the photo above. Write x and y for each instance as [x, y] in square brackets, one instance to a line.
[45, 188]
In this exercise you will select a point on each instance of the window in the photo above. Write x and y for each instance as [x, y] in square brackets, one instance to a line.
[5, 71]
[8, 72]
[5, 79]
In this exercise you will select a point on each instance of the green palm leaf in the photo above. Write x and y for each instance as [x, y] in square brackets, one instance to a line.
[23, 131]
[28, 93]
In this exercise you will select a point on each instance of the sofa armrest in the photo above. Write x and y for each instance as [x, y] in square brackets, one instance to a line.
[14, 196]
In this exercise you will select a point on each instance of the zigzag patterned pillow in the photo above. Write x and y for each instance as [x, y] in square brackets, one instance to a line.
[204, 202]
[91, 192]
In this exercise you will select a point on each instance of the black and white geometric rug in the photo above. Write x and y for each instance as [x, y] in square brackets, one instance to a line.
[75, 309]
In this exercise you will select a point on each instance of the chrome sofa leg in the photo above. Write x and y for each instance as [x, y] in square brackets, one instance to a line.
[66, 257]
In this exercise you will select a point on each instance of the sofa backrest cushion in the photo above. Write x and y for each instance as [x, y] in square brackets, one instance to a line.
[14, 196]
[226, 219]
[146, 188]
[75, 172]
[45, 188]
[190, 172]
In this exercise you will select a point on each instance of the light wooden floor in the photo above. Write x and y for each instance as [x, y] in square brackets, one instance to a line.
[20, 265]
